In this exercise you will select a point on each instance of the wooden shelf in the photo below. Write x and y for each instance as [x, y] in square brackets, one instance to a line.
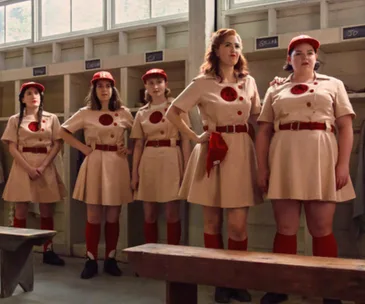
[4, 118]
[356, 95]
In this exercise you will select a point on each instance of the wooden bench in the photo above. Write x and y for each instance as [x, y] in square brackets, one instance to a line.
[16, 258]
[183, 268]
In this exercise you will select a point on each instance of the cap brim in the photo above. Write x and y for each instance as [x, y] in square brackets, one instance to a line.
[145, 77]
[95, 80]
[35, 85]
[313, 42]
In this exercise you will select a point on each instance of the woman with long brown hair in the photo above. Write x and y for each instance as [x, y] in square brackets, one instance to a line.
[33, 140]
[104, 178]
[221, 173]
[159, 158]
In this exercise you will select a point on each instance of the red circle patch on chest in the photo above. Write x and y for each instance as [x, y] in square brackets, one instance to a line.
[33, 126]
[106, 119]
[299, 89]
[229, 94]
[156, 117]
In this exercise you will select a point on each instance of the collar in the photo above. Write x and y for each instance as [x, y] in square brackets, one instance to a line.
[316, 76]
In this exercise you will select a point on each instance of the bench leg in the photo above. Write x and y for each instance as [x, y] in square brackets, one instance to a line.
[17, 268]
[181, 293]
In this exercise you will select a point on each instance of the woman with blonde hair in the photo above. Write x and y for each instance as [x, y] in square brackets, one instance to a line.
[160, 156]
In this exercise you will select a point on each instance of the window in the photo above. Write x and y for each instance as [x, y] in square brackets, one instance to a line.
[16, 22]
[132, 10]
[87, 14]
[169, 7]
[2, 32]
[61, 17]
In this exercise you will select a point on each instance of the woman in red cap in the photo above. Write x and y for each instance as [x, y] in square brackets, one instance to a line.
[160, 155]
[222, 174]
[33, 140]
[302, 162]
[103, 179]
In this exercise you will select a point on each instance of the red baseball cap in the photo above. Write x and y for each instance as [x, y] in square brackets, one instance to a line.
[217, 150]
[27, 85]
[154, 72]
[102, 75]
[303, 38]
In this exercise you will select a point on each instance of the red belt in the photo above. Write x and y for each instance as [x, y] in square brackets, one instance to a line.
[37, 150]
[161, 143]
[298, 125]
[106, 148]
[232, 129]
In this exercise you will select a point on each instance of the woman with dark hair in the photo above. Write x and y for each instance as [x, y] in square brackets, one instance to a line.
[159, 158]
[302, 162]
[221, 174]
[33, 140]
[103, 179]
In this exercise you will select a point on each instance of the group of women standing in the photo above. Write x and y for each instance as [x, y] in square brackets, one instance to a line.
[294, 160]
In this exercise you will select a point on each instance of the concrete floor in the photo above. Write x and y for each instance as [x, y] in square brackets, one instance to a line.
[55, 285]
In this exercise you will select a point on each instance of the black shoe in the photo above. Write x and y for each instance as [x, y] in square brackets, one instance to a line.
[90, 269]
[111, 267]
[331, 301]
[273, 298]
[51, 258]
[241, 295]
[222, 295]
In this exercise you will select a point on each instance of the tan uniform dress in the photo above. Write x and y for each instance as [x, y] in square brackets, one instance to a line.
[104, 176]
[48, 188]
[231, 184]
[161, 168]
[302, 163]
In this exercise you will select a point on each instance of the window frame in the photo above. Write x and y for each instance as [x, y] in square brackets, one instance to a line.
[255, 3]
[71, 33]
[20, 42]
[151, 20]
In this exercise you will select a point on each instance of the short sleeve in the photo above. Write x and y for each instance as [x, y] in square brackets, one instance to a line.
[255, 100]
[137, 131]
[10, 133]
[75, 122]
[55, 128]
[267, 112]
[129, 118]
[342, 103]
[189, 97]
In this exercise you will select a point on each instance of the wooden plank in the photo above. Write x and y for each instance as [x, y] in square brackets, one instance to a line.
[17, 268]
[304, 275]
[181, 293]
[26, 233]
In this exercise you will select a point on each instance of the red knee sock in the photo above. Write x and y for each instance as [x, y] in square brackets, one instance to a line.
[213, 241]
[92, 240]
[237, 245]
[19, 223]
[285, 244]
[325, 246]
[173, 233]
[111, 239]
[47, 224]
[150, 232]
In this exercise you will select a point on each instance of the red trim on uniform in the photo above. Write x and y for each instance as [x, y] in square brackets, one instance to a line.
[150, 232]
[285, 243]
[92, 232]
[237, 245]
[19, 223]
[161, 143]
[173, 233]
[214, 241]
[325, 246]
[47, 224]
[111, 231]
